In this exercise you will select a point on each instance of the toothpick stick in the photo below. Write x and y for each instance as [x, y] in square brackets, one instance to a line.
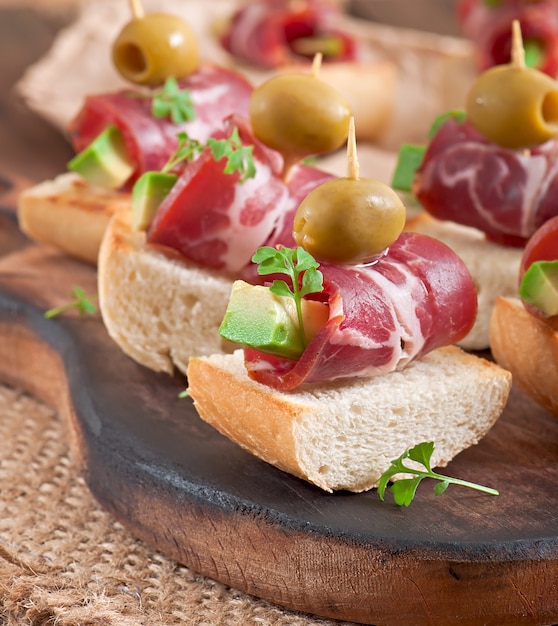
[136, 8]
[517, 49]
[352, 157]
[316, 64]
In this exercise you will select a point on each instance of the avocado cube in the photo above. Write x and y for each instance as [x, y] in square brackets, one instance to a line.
[258, 318]
[105, 161]
[539, 286]
[149, 191]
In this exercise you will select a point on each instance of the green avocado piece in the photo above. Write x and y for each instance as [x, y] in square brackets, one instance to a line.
[539, 286]
[258, 318]
[105, 161]
[149, 191]
[408, 161]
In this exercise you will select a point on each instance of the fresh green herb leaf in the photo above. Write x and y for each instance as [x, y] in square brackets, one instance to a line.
[172, 102]
[184, 394]
[239, 157]
[457, 114]
[404, 489]
[80, 301]
[300, 266]
[186, 150]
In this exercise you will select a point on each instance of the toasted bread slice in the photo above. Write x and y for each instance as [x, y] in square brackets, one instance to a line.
[157, 307]
[69, 214]
[343, 435]
[528, 347]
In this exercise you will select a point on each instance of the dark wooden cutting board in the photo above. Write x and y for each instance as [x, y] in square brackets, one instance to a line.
[462, 558]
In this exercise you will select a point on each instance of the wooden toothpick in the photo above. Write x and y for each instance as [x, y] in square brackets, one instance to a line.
[517, 49]
[353, 167]
[316, 64]
[136, 8]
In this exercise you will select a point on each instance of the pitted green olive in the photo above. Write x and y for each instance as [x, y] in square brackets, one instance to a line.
[299, 115]
[349, 221]
[514, 107]
[150, 49]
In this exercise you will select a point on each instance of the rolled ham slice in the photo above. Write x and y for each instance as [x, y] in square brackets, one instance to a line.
[216, 93]
[264, 33]
[507, 194]
[416, 298]
[211, 218]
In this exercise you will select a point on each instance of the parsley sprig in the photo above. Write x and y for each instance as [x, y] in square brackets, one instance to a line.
[238, 156]
[300, 266]
[173, 102]
[169, 101]
[80, 301]
[404, 489]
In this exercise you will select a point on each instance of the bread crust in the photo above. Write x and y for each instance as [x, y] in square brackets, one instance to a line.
[69, 214]
[156, 306]
[528, 348]
[343, 435]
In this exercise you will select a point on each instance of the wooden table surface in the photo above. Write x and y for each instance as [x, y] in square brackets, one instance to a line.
[25, 138]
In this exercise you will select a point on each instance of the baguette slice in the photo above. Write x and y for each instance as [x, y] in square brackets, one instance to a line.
[156, 306]
[494, 269]
[528, 348]
[344, 435]
[69, 214]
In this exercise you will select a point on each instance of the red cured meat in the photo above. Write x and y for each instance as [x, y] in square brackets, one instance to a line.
[489, 28]
[543, 246]
[263, 32]
[507, 194]
[216, 93]
[211, 218]
[417, 298]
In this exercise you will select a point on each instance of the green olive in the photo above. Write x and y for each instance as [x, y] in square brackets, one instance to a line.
[150, 49]
[514, 107]
[349, 221]
[299, 115]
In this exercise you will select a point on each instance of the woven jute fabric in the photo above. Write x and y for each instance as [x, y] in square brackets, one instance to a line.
[64, 561]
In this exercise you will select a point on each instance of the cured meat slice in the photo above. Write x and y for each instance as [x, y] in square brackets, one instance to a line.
[302, 180]
[213, 219]
[489, 26]
[507, 194]
[269, 33]
[216, 93]
[417, 298]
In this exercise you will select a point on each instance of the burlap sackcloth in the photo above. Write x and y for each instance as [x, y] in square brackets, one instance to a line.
[64, 561]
